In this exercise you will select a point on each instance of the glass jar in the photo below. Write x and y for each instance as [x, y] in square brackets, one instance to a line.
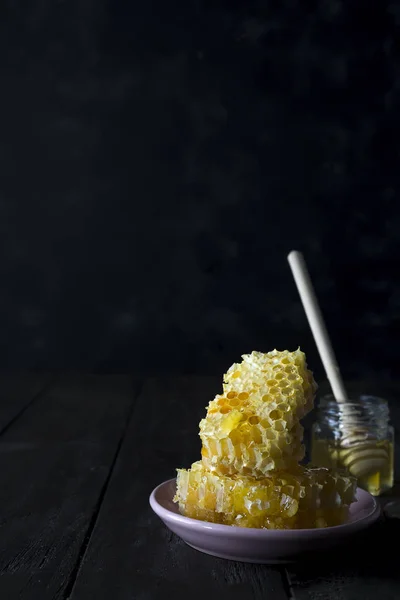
[355, 436]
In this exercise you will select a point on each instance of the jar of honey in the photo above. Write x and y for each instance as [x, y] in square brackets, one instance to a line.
[355, 436]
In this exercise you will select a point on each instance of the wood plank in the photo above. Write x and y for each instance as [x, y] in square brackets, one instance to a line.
[17, 390]
[365, 569]
[55, 463]
[80, 407]
[131, 554]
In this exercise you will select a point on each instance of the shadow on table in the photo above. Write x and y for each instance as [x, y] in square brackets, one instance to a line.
[371, 553]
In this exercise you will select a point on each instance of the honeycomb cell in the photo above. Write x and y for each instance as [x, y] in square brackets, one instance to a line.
[279, 425]
[256, 435]
[275, 414]
[293, 377]
[287, 391]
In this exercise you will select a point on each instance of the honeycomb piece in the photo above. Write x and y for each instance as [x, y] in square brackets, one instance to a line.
[258, 430]
[247, 434]
[303, 498]
[276, 373]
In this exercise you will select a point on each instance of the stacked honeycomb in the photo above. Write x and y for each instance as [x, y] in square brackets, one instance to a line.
[251, 437]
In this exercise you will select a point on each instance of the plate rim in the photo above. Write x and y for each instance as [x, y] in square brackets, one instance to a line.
[188, 522]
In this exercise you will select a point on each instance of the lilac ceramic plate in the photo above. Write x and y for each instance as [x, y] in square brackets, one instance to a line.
[260, 545]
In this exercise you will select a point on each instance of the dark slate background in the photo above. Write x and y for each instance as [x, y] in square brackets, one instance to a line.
[160, 159]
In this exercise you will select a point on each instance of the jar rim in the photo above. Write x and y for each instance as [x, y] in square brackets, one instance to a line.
[328, 400]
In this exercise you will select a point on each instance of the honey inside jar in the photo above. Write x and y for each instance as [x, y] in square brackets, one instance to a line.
[367, 454]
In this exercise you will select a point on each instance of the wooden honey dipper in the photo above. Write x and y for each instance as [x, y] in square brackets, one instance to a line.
[360, 455]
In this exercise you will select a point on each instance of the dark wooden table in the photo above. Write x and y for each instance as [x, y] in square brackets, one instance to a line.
[80, 455]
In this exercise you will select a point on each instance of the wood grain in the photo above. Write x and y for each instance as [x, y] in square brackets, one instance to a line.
[54, 466]
[131, 554]
[17, 391]
[77, 407]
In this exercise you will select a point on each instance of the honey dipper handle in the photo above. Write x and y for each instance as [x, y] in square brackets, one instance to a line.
[317, 324]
